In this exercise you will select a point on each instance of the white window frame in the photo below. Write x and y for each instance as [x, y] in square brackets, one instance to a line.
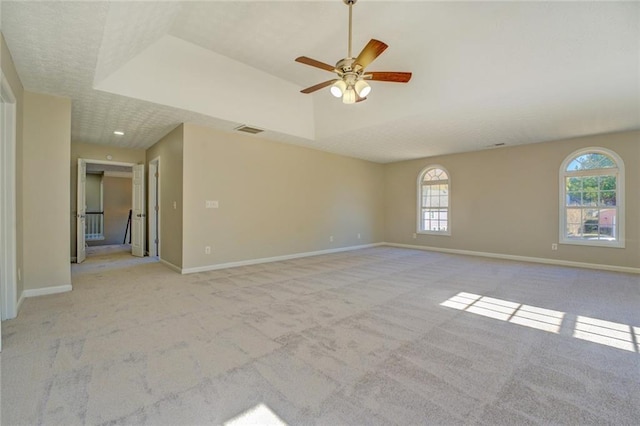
[419, 229]
[620, 194]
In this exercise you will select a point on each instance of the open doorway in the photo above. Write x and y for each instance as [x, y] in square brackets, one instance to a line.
[111, 216]
[108, 200]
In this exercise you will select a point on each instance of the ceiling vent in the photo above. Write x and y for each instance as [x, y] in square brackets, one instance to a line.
[247, 129]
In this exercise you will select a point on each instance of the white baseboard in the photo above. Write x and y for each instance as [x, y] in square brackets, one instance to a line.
[172, 266]
[34, 292]
[274, 259]
[557, 262]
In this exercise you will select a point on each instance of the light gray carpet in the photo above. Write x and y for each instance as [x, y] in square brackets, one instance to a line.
[355, 338]
[103, 258]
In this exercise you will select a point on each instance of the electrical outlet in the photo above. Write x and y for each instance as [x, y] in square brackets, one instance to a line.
[415, 235]
[358, 235]
[175, 205]
[331, 239]
[554, 246]
[207, 250]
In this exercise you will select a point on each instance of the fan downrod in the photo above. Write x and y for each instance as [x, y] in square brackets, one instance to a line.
[349, 2]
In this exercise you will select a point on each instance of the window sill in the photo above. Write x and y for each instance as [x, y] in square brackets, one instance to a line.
[443, 233]
[594, 243]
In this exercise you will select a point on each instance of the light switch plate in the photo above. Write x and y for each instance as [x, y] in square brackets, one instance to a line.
[211, 204]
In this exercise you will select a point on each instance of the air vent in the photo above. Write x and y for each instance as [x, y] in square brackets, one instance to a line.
[247, 129]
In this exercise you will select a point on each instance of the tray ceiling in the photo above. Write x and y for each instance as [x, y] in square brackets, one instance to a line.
[484, 73]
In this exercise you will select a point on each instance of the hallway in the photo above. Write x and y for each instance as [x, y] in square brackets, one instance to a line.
[109, 257]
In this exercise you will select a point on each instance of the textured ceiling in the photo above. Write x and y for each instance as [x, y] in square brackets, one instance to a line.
[484, 73]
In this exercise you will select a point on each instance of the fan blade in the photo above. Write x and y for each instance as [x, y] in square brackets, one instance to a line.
[314, 63]
[371, 51]
[395, 77]
[359, 99]
[318, 86]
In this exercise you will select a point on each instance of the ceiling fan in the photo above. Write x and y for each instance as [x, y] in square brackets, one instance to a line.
[351, 83]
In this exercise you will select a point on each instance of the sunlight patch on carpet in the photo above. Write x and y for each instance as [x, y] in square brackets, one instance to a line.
[613, 334]
[258, 415]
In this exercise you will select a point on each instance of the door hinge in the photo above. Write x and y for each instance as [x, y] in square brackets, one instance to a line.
[157, 208]
[157, 175]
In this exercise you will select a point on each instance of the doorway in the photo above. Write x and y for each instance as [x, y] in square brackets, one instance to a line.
[110, 207]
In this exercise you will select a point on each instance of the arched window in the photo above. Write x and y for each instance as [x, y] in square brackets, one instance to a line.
[591, 198]
[434, 201]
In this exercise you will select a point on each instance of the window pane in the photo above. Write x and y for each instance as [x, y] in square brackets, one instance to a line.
[434, 219]
[574, 222]
[590, 198]
[590, 223]
[607, 221]
[607, 183]
[591, 161]
[590, 183]
[608, 198]
[574, 198]
[435, 175]
[574, 184]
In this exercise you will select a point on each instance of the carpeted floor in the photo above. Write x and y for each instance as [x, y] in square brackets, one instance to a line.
[376, 336]
[103, 258]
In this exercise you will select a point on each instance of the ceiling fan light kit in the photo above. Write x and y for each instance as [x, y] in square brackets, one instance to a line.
[338, 88]
[363, 88]
[350, 84]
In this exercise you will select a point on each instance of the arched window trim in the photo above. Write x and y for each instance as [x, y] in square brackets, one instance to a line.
[620, 195]
[424, 171]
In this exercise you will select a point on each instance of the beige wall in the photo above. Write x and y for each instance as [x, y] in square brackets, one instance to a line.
[170, 151]
[94, 152]
[93, 192]
[9, 71]
[506, 201]
[117, 202]
[45, 181]
[274, 199]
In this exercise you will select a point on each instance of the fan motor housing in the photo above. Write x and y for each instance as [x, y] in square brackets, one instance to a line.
[348, 66]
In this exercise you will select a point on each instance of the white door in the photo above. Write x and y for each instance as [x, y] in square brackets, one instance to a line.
[81, 252]
[138, 222]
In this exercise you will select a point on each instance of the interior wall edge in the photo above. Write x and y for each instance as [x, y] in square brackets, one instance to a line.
[171, 266]
[19, 304]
